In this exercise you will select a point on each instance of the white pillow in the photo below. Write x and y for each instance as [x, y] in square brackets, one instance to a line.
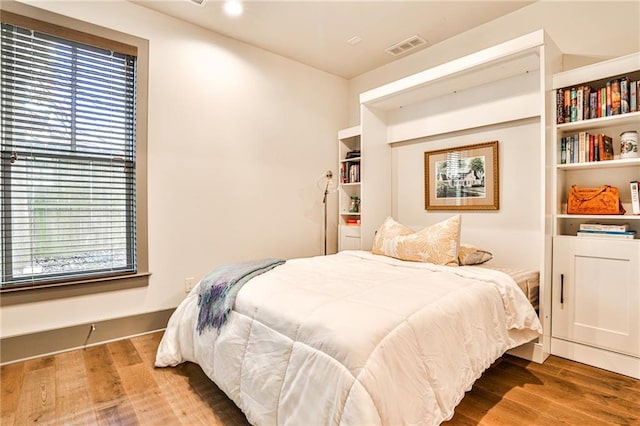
[437, 243]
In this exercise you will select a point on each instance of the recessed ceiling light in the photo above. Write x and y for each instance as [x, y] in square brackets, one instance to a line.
[233, 8]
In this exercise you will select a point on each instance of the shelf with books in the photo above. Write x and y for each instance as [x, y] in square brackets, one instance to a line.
[595, 144]
[569, 224]
[350, 170]
[350, 190]
[579, 157]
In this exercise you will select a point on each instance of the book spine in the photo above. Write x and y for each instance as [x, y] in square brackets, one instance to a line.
[600, 147]
[560, 106]
[608, 99]
[580, 103]
[574, 104]
[593, 105]
[591, 147]
[569, 149]
[624, 95]
[615, 97]
[603, 227]
[348, 173]
[635, 197]
[633, 96]
[567, 105]
[582, 147]
[605, 235]
[607, 148]
[563, 150]
[586, 97]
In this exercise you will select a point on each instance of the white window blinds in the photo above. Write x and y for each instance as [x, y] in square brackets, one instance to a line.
[67, 170]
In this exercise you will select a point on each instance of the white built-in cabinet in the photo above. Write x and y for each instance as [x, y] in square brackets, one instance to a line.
[596, 303]
[349, 194]
[596, 281]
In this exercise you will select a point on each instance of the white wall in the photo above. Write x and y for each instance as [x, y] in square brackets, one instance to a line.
[515, 224]
[237, 140]
[585, 32]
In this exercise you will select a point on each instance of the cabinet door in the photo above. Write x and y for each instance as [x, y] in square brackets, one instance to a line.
[596, 296]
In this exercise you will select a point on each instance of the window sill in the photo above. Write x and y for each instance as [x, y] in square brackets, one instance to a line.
[19, 295]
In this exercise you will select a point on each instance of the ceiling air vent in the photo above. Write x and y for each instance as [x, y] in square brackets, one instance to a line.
[406, 45]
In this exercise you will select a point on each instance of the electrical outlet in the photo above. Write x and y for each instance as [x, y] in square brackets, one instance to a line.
[189, 282]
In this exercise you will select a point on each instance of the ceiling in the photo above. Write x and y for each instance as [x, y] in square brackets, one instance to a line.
[316, 33]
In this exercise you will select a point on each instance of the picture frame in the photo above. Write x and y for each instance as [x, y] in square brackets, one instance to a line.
[462, 178]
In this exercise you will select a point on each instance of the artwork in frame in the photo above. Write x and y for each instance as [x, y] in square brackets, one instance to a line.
[462, 178]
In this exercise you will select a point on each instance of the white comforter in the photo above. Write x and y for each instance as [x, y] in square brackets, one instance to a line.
[355, 338]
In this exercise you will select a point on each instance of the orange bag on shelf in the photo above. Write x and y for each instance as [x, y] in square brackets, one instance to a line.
[603, 200]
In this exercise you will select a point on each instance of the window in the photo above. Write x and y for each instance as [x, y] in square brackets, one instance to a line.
[68, 156]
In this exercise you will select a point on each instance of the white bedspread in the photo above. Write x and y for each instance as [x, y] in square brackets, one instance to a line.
[355, 338]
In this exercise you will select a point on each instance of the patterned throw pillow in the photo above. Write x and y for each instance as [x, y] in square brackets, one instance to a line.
[472, 255]
[437, 243]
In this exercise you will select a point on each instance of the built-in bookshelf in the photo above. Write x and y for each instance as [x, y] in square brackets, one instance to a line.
[595, 105]
[596, 275]
[349, 192]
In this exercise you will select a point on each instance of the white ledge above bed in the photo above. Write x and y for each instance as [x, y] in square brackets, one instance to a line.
[495, 63]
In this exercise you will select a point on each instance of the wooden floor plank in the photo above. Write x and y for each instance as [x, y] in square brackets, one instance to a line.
[117, 415]
[11, 377]
[117, 384]
[37, 401]
[124, 353]
[103, 377]
[145, 395]
[73, 396]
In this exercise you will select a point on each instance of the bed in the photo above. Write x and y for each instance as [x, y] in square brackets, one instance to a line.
[355, 338]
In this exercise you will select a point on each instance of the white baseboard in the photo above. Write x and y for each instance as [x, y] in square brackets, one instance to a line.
[607, 360]
[51, 342]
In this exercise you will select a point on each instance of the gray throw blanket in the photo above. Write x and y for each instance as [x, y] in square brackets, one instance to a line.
[219, 288]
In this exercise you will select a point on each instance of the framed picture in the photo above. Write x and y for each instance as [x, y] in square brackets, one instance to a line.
[462, 178]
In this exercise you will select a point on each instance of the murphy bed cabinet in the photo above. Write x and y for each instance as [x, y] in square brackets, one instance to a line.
[349, 190]
[596, 280]
[501, 88]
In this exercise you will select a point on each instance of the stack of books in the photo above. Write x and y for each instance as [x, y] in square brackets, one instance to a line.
[606, 231]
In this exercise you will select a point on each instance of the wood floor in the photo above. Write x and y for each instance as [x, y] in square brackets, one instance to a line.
[116, 384]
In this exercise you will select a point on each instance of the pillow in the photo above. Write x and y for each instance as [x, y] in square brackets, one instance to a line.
[437, 243]
[472, 255]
